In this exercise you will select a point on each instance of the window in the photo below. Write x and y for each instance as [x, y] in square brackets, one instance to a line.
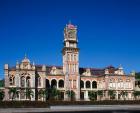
[53, 83]
[94, 84]
[88, 84]
[61, 83]
[68, 57]
[28, 84]
[74, 57]
[39, 81]
[74, 84]
[12, 80]
[22, 81]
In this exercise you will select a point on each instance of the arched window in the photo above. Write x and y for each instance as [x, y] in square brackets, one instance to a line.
[61, 83]
[94, 84]
[22, 81]
[39, 81]
[28, 84]
[88, 84]
[53, 83]
[12, 80]
[74, 57]
[82, 84]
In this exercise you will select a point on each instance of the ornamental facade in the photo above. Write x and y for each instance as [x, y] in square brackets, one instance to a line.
[68, 77]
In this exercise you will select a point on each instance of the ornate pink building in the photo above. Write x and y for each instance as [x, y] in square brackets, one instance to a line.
[69, 76]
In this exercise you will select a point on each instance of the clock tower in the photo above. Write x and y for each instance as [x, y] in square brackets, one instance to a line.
[71, 60]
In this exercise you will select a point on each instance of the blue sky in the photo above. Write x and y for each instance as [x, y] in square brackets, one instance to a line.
[108, 31]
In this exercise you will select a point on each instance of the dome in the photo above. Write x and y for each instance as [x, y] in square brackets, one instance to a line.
[25, 60]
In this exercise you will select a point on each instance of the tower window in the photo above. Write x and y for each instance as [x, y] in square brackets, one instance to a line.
[75, 57]
[68, 57]
[71, 57]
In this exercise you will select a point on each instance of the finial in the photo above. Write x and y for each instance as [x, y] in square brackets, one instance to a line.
[17, 62]
[120, 67]
[33, 63]
[25, 56]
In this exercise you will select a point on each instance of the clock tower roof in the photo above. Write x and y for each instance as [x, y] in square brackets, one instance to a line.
[70, 26]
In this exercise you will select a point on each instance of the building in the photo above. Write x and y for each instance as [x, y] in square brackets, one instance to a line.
[69, 77]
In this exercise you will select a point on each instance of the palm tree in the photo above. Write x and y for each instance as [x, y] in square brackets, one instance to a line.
[1, 95]
[43, 93]
[112, 94]
[71, 94]
[124, 94]
[14, 92]
[54, 93]
[29, 93]
[92, 95]
[100, 93]
[136, 93]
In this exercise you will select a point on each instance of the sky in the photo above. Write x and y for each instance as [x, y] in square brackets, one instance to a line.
[108, 32]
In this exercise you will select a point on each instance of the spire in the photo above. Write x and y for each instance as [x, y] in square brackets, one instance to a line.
[33, 63]
[25, 56]
[25, 59]
[120, 67]
[17, 62]
[69, 21]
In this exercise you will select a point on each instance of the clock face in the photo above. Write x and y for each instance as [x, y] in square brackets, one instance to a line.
[72, 34]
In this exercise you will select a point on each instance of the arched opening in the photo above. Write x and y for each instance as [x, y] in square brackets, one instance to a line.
[53, 83]
[94, 84]
[88, 84]
[22, 81]
[47, 83]
[12, 80]
[28, 84]
[61, 83]
[81, 84]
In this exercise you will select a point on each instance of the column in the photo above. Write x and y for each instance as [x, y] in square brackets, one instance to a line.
[86, 96]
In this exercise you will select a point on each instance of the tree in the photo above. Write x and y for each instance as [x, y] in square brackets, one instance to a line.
[124, 94]
[100, 93]
[2, 83]
[71, 94]
[43, 93]
[13, 92]
[136, 94]
[92, 95]
[1, 95]
[137, 75]
[29, 93]
[54, 93]
[112, 94]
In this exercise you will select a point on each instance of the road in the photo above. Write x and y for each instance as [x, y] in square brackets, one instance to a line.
[77, 108]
